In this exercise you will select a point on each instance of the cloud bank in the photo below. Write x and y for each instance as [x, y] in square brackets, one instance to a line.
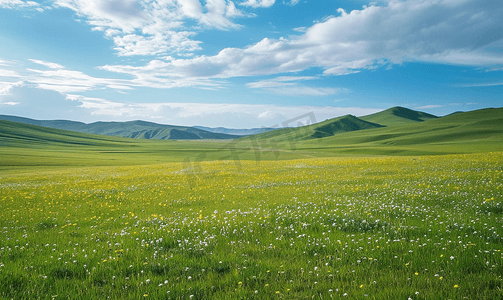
[435, 31]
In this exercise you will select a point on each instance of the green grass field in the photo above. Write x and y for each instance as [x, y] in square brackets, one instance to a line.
[397, 212]
[426, 227]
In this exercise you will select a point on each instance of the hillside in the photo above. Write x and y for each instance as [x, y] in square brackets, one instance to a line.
[468, 132]
[20, 134]
[479, 131]
[31, 145]
[398, 116]
[131, 129]
[323, 129]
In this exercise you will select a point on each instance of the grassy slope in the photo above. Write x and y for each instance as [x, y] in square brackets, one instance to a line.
[476, 131]
[132, 129]
[30, 145]
[398, 116]
[471, 132]
[323, 129]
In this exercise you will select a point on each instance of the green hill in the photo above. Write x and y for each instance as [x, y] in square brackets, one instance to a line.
[132, 129]
[323, 129]
[346, 123]
[468, 132]
[31, 145]
[21, 134]
[398, 116]
[477, 131]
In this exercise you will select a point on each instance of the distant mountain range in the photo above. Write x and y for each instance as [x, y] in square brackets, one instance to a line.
[413, 133]
[391, 117]
[131, 129]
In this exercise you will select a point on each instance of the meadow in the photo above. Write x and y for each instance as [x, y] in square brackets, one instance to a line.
[418, 227]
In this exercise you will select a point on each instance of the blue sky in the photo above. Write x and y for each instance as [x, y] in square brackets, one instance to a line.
[246, 63]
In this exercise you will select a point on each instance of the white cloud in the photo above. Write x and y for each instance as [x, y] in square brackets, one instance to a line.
[298, 91]
[292, 2]
[259, 3]
[67, 81]
[5, 87]
[9, 73]
[18, 4]
[300, 29]
[440, 31]
[125, 15]
[278, 81]
[58, 78]
[288, 85]
[47, 64]
[169, 41]
[482, 84]
[429, 106]
[268, 115]
[153, 27]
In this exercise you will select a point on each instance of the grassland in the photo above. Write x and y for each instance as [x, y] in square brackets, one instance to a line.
[392, 212]
[426, 227]
[23, 145]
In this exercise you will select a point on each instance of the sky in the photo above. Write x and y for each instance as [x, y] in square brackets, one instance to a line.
[247, 63]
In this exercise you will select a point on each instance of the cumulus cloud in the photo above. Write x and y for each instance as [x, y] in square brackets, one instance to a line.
[153, 27]
[19, 4]
[259, 3]
[440, 31]
[5, 87]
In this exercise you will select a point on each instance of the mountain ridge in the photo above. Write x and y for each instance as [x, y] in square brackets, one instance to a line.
[131, 129]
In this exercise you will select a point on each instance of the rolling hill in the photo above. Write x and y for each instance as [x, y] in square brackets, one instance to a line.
[398, 116]
[467, 132]
[32, 145]
[323, 129]
[15, 133]
[148, 130]
[477, 131]
[131, 129]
